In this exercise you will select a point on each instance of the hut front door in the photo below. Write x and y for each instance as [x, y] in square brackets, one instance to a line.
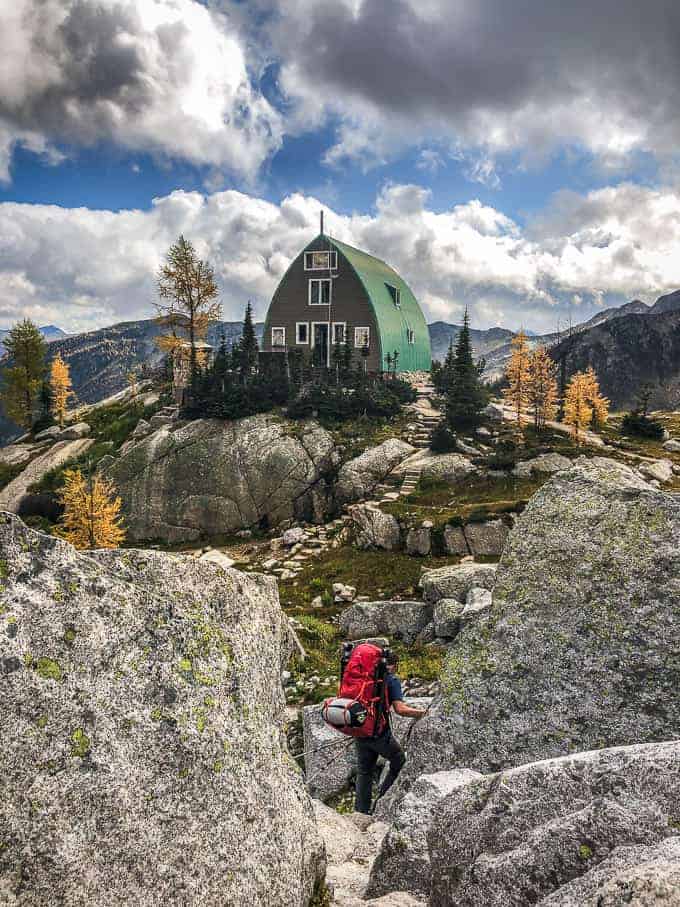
[320, 343]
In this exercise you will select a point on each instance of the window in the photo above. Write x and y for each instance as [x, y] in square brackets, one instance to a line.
[395, 293]
[278, 336]
[302, 332]
[362, 337]
[339, 330]
[321, 261]
[410, 335]
[320, 292]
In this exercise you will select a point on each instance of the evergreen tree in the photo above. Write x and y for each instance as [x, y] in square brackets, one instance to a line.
[91, 516]
[248, 347]
[542, 388]
[45, 418]
[577, 409]
[61, 390]
[517, 373]
[26, 348]
[467, 396]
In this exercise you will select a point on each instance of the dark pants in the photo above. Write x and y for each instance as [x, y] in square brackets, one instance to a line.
[368, 750]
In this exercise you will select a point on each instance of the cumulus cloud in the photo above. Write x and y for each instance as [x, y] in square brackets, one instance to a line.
[83, 269]
[168, 77]
[502, 77]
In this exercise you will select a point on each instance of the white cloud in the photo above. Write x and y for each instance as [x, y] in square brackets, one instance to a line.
[488, 76]
[168, 77]
[82, 269]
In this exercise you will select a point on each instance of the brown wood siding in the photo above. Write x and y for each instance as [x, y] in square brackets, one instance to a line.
[349, 303]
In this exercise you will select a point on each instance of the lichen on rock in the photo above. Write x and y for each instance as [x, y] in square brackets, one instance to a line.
[142, 757]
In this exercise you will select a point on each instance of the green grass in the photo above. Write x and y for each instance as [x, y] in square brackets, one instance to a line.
[356, 435]
[379, 575]
[8, 473]
[469, 500]
[111, 426]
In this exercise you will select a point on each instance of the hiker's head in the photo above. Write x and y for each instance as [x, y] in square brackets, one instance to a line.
[392, 662]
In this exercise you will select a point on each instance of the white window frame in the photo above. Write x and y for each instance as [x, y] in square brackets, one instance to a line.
[298, 325]
[339, 324]
[332, 261]
[395, 294]
[320, 280]
[360, 346]
[411, 335]
[278, 346]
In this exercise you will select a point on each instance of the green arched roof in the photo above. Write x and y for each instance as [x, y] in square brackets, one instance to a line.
[393, 322]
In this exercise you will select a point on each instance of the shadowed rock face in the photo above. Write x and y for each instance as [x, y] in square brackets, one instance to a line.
[207, 477]
[579, 649]
[141, 753]
[557, 832]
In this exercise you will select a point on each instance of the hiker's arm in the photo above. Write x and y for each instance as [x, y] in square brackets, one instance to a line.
[407, 711]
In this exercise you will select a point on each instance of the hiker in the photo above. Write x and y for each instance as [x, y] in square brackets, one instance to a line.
[385, 744]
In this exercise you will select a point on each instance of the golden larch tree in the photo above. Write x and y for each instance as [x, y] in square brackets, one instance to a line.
[61, 390]
[91, 517]
[517, 374]
[577, 409]
[598, 403]
[188, 299]
[542, 388]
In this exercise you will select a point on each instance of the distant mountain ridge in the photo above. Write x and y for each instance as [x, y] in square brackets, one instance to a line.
[628, 352]
[101, 360]
[50, 332]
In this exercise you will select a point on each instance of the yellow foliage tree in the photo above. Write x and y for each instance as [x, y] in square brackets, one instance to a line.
[91, 516]
[578, 411]
[187, 299]
[517, 373]
[61, 390]
[542, 387]
[599, 404]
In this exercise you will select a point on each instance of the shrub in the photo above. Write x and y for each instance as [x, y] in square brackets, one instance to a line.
[641, 426]
[443, 439]
[506, 453]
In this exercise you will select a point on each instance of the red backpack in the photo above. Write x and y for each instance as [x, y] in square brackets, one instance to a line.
[361, 708]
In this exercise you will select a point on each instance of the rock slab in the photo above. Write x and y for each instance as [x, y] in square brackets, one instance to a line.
[208, 477]
[141, 749]
[579, 648]
[515, 838]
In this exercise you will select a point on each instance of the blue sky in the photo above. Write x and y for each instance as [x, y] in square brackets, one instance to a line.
[518, 161]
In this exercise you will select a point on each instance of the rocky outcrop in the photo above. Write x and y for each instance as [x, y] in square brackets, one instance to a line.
[517, 838]
[210, 477]
[637, 876]
[455, 581]
[486, 539]
[358, 478]
[579, 648]
[661, 470]
[545, 464]
[402, 620]
[419, 540]
[351, 843]
[403, 861]
[13, 494]
[372, 528]
[142, 755]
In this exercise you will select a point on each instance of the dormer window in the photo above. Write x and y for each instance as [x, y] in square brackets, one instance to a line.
[321, 261]
[395, 293]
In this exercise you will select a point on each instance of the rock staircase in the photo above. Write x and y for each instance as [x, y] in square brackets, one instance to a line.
[426, 419]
